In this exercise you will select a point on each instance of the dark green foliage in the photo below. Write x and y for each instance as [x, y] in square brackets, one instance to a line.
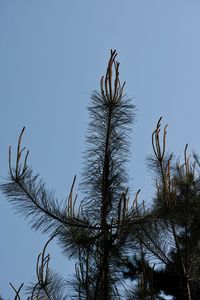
[111, 239]
[107, 152]
[96, 233]
[173, 238]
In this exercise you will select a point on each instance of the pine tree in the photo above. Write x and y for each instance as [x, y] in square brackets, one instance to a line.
[172, 240]
[97, 233]
[110, 237]
[177, 205]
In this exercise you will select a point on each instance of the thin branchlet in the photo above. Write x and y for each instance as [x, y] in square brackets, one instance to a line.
[17, 291]
[48, 285]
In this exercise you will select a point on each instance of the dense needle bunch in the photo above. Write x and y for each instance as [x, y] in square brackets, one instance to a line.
[111, 113]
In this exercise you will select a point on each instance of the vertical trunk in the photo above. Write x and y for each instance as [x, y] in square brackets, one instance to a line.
[106, 206]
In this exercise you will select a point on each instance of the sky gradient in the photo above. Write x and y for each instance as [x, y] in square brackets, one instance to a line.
[52, 56]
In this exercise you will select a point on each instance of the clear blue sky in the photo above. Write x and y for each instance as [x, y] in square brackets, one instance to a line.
[52, 55]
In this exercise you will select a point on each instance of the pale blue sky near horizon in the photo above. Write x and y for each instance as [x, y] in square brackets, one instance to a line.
[52, 56]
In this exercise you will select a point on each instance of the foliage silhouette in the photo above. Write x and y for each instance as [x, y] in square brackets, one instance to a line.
[110, 237]
[173, 238]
